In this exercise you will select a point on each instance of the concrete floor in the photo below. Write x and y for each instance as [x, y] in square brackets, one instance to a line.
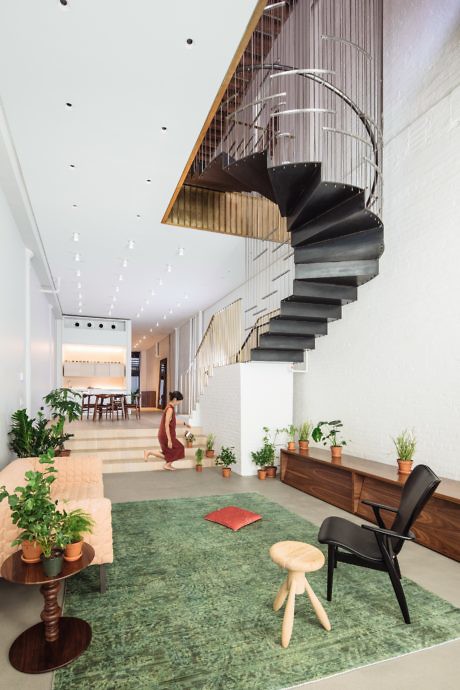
[432, 669]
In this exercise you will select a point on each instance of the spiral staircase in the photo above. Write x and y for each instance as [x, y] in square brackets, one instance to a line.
[336, 240]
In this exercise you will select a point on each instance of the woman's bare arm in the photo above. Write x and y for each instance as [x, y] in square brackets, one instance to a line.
[167, 423]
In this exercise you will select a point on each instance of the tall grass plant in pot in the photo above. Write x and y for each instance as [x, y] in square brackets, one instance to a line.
[199, 459]
[210, 440]
[305, 430]
[405, 445]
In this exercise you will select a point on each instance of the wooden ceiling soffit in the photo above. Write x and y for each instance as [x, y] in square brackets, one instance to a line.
[230, 213]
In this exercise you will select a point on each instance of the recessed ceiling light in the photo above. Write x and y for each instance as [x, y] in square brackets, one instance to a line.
[137, 315]
[147, 301]
[75, 205]
[181, 251]
[142, 308]
[79, 311]
[78, 273]
[138, 215]
[179, 304]
[144, 337]
[124, 263]
[169, 268]
[64, 2]
[69, 105]
[151, 330]
[189, 42]
[77, 257]
[160, 282]
[157, 324]
[131, 244]
[114, 299]
[148, 180]
[117, 289]
[164, 316]
[170, 311]
[164, 128]
[185, 296]
[78, 286]
[76, 236]
[110, 313]
[72, 165]
[153, 293]
[120, 277]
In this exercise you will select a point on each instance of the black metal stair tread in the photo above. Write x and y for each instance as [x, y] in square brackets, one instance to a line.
[252, 172]
[366, 244]
[293, 181]
[287, 342]
[265, 354]
[323, 199]
[293, 326]
[311, 311]
[326, 293]
[217, 178]
[333, 224]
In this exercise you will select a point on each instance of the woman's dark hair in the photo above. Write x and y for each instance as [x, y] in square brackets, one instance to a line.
[176, 395]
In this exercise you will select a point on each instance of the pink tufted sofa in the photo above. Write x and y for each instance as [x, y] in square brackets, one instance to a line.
[78, 484]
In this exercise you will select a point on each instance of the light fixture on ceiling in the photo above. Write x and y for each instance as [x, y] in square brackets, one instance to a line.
[151, 330]
[69, 105]
[160, 282]
[170, 311]
[75, 205]
[110, 312]
[77, 257]
[164, 316]
[76, 236]
[137, 315]
[120, 277]
[179, 304]
[138, 215]
[189, 42]
[142, 308]
[185, 296]
[117, 289]
[114, 299]
[124, 263]
[147, 301]
[80, 304]
[80, 296]
[64, 3]
[72, 165]
[180, 251]
[131, 244]
[78, 286]
[144, 337]
[78, 273]
[153, 293]
[164, 128]
[148, 180]
[157, 324]
[79, 311]
[169, 268]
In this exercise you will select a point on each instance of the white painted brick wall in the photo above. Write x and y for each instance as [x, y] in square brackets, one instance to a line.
[393, 361]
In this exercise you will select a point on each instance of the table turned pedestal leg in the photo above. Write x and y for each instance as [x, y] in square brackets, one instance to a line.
[53, 643]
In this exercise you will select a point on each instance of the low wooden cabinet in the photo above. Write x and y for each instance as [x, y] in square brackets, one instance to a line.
[347, 484]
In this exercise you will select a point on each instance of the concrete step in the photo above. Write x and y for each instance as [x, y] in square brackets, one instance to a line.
[149, 440]
[136, 465]
[124, 453]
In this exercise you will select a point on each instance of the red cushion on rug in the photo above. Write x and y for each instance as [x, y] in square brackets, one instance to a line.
[233, 517]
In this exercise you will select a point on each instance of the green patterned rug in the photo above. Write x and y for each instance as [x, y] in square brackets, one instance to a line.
[189, 606]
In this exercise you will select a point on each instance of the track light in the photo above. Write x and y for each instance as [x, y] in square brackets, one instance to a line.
[131, 244]
[76, 236]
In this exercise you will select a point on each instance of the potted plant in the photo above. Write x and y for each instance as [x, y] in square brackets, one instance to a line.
[32, 508]
[259, 459]
[73, 526]
[199, 459]
[269, 444]
[210, 445]
[304, 435]
[64, 404]
[327, 433]
[405, 445]
[291, 431]
[226, 458]
[51, 539]
[189, 438]
[30, 437]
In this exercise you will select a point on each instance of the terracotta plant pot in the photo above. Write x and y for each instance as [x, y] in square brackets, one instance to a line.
[209, 453]
[31, 552]
[63, 452]
[262, 474]
[189, 444]
[291, 445]
[271, 471]
[404, 466]
[226, 472]
[303, 446]
[199, 468]
[53, 566]
[73, 551]
[336, 452]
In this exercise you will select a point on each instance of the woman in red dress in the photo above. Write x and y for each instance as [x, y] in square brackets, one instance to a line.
[171, 448]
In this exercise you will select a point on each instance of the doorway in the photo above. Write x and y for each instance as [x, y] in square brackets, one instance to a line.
[162, 384]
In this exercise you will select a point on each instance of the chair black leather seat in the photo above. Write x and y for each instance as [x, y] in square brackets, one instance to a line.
[375, 547]
[351, 537]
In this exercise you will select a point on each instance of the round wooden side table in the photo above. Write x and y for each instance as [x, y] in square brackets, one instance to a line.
[58, 640]
[297, 558]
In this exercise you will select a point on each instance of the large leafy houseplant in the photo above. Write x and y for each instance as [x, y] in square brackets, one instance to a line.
[74, 526]
[30, 437]
[64, 404]
[264, 458]
[226, 458]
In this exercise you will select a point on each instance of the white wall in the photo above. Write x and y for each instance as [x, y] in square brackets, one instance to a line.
[240, 400]
[27, 340]
[393, 361]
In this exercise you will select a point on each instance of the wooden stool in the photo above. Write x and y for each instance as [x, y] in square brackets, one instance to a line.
[297, 558]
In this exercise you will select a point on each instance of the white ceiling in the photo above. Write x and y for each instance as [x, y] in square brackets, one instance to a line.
[127, 71]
